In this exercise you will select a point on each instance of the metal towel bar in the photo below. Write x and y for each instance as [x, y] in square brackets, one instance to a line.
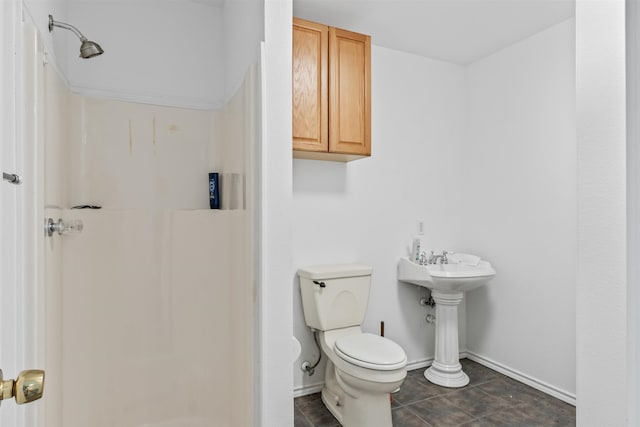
[12, 178]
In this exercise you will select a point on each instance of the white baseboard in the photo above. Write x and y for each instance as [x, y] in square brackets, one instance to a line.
[307, 389]
[556, 392]
[423, 363]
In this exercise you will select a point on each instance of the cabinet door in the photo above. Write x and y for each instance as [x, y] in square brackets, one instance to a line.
[349, 92]
[310, 96]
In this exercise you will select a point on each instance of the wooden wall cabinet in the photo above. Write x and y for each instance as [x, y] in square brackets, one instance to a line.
[331, 93]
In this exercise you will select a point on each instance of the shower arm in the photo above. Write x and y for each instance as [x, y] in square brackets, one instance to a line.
[69, 27]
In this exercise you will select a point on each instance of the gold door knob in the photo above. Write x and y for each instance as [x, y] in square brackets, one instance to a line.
[26, 388]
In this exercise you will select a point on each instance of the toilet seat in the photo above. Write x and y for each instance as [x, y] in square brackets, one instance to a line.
[371, 352]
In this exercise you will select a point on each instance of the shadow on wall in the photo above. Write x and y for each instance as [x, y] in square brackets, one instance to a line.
[306, 172]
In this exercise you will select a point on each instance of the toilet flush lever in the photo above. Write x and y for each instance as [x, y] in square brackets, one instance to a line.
[321, 284]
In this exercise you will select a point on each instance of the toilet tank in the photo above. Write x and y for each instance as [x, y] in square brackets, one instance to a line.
[335, 296]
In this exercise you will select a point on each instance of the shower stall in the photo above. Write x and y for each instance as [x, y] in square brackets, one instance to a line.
[146, 298]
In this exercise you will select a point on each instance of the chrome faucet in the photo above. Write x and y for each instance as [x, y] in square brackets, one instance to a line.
[433, 258]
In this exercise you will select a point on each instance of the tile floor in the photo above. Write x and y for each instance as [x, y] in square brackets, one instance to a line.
[490, 399]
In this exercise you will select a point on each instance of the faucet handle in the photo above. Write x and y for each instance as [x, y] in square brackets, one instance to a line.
[423, 258]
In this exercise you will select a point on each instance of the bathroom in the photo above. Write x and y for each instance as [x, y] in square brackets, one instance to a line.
[483, 155]
[510, 190]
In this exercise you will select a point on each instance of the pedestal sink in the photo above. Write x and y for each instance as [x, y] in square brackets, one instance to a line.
[447, 283]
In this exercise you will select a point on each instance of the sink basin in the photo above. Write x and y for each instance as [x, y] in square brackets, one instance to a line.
[446, 277]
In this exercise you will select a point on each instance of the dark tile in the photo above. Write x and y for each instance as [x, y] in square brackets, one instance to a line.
[464, 361]
[307, 401]
[468, 363]
[416, 372]
[299, 420]
[494, 401]
[433, 389]
[561, 413]
[475, 402]
[557, 405]
[477, 373]
[488, 422]
[546, 412]
[532, 415]
[403, 417]
[511, 391]
[413, 388]
[395, 403]
[505, 418]
[313, 409]
[320, 416]
[439, 412]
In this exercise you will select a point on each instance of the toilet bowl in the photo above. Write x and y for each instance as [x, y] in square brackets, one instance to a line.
[359, 379]
[362, 368]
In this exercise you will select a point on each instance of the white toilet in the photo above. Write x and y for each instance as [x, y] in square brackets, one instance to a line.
[362, 368]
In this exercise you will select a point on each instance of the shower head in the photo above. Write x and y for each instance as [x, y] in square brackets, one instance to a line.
[88, 49]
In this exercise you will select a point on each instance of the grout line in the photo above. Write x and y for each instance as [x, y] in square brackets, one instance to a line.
[419, 417]
[306, 419]
[493, 412]
[490, 413]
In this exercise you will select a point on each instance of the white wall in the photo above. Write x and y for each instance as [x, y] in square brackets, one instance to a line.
[243, 22]
[633, 212]
[368, 210]
[601, 303]
[182, 53]
[159, 52]
[274, 295]
[519, 165]
[55, 43]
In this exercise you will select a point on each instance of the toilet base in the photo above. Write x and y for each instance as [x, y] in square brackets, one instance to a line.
[355, 407]
[447, 375]
[370, 411]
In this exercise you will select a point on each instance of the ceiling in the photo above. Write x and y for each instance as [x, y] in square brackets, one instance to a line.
[457, 31]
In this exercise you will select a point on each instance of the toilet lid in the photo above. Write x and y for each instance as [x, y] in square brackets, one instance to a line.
[371, 351]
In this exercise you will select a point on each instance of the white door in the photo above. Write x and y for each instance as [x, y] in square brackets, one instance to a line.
[9, 212]
[20, 52]
[8, 290]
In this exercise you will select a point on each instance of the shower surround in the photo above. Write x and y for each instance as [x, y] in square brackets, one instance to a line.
[150, 309]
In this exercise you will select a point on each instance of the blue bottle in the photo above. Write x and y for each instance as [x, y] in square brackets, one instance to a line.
[214, 191]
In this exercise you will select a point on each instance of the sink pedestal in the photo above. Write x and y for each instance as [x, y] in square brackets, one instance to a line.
[446, 369]
[447, 283]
